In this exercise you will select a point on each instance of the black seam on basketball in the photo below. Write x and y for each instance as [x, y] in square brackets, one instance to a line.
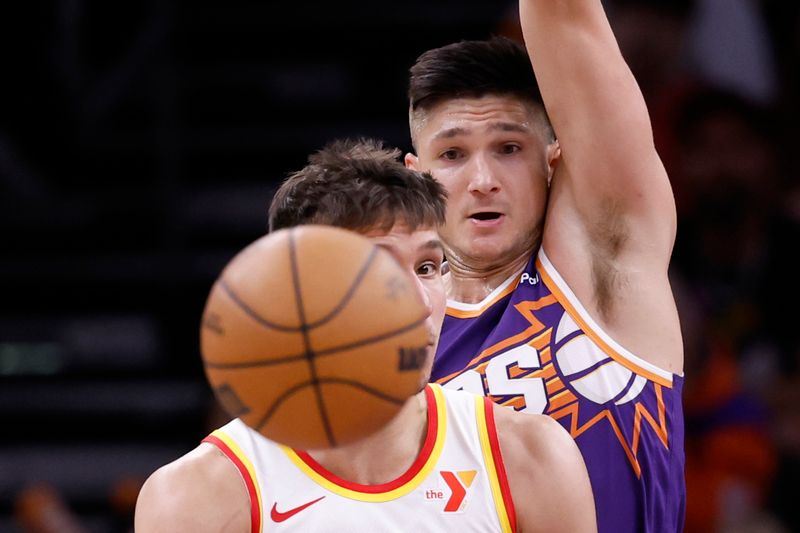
[358, 385]
[294, 329]
[251, 364]
[370, 340]
[350, 291]
[252, 314]
[321, 353]
[306, 340]
[265, 418]
[330, 316]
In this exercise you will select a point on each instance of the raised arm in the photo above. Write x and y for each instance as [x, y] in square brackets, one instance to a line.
[200, 492]
[546, 474]
[611, 220]
[599, 115]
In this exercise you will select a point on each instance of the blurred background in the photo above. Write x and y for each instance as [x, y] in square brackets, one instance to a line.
[140, 144]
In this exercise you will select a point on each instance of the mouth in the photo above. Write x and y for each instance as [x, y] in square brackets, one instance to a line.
[432, 339]
[486, 215]
[486, 218]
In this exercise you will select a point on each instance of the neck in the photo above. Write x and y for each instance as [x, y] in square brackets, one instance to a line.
[383, 456]
[469, 284]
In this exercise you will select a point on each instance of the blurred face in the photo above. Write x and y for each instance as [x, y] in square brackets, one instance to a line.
[420, 253]
[494, 156]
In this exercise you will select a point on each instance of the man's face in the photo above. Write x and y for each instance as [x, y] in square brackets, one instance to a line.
[420, 253]
[494, 156]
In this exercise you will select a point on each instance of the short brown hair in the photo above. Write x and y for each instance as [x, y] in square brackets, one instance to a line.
[471, 69]
[356, 185]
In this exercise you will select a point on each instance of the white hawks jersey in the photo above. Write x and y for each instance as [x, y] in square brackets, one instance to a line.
[457, 482]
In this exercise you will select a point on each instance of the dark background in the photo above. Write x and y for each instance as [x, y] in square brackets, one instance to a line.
[140, 144]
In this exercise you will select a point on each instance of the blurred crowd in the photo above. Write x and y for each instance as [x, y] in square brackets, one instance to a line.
[721, 79]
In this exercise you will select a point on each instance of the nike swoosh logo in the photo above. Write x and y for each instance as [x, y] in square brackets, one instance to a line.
[278, 516]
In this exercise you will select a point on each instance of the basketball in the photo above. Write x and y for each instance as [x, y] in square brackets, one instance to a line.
[314, 337]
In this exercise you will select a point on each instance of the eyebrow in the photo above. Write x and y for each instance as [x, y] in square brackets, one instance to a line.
[433, 244]
[449, 133]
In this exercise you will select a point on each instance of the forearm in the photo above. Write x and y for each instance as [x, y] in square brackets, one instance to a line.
[596, 107]
[581, 71]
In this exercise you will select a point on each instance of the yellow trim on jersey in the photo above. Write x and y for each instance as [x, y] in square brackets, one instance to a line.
[488, 460]
[241, 456]
[441, 432]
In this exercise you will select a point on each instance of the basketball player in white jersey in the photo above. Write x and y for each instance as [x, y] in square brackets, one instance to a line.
[449, 461]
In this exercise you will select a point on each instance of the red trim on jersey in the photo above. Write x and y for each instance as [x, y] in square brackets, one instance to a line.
[422, 458]
[498, 463]
[255, 511]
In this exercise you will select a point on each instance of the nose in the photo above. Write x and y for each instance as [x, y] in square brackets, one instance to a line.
[483, 178]
[423, 292]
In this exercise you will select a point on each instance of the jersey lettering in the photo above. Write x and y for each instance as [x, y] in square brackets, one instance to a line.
[501, 384]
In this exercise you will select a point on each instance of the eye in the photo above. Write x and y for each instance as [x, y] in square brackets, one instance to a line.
[450, 155]
[429, 268]
[510, 148]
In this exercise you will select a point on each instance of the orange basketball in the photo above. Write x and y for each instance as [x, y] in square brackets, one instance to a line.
[314, 337]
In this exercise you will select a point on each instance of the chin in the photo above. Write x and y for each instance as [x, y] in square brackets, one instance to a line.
[426, 370]
[488, 253]
[497, 252]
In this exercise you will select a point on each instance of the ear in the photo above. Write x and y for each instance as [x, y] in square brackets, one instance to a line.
[411, 161]
[553, 158]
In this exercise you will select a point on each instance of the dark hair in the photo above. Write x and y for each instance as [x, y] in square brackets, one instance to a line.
[472, 69]
[356, 185]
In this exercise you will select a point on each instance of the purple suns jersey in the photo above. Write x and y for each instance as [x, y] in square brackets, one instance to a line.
[531, 345]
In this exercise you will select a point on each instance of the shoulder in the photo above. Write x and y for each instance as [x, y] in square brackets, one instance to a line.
[201, 491]
[542, 460]
[533, 441]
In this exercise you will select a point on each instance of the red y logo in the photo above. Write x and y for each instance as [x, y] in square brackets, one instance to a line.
[458, 488]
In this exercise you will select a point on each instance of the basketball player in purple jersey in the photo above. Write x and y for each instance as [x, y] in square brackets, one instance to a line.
[560, 226]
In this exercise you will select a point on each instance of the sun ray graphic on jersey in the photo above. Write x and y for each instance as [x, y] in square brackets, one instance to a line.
[519, 372]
